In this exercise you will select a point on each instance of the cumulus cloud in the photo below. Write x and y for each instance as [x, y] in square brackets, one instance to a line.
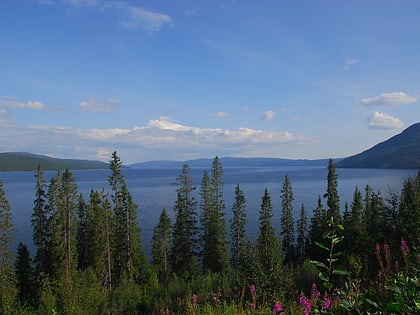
[91, 105]
[159, 137]
[268, 115]
[384, 121]
[394, 98]
[11, 103]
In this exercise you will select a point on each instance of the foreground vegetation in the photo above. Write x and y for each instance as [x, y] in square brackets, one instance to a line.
[89, 258]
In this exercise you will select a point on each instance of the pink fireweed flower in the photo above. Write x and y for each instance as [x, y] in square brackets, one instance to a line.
[326, 303]
[404, 247]
[252, 306]
[386, 247]
[277, 308]
[377, 248]
[305, 303]
[252, 288]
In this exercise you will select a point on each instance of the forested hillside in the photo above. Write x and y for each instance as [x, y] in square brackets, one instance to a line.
[400, 151]
[89, 256]
[22, 161]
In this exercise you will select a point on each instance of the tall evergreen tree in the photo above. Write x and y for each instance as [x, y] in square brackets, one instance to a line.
[62, 202]
[7, 275]
[129, 258]
[215, 247]
[82, 234]
[287, 231]
[185, 239]
[206, 207]
[409, 212]
[161, 245]
[333, 199]
[237, 227]
[302, 235]
[40, 218]
[24, 275]
[318, 227]
[270, 255]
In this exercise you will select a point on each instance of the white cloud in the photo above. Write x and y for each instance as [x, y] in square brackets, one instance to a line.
[160, 137]
[394, 98]
[268, 115]
[349, 63]
[131, 16]
[23, 105]
[384, 121]
[92, 106]
[222, 114]
[137, 17]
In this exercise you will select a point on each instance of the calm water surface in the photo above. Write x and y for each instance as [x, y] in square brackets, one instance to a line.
[154, 189]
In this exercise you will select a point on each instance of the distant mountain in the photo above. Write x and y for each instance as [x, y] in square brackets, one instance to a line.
[232, 162]
[23, 161]
[401, 152]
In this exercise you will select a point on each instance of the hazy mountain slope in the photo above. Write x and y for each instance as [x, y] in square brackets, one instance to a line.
[401, 151]
[23, 161]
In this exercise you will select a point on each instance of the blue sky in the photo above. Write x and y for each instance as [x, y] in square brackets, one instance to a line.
[179, 79]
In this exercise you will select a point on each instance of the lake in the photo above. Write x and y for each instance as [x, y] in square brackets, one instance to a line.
[154, 189]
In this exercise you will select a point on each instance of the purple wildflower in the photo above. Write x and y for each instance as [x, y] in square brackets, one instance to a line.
[252, 288]
[326, 303]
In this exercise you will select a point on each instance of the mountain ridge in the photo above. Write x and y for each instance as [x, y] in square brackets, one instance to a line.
[24, 161]
[401, 151]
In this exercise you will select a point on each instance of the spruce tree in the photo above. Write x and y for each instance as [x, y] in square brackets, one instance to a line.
[24, 275]
[185, 238]
[161, 245]
[7, 275]
[40, 224]
[237, 227]
[302, 235]
[62, 202]
[333, 199]
[82, 234]
[270, 255]
[128, 254]
[409, 212]
[318, 227]
[215, 247]
[287, 223]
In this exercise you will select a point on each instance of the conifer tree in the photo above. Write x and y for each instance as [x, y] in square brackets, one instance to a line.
[215, 247]
[185, 239]
[62, 202]
[318, 227]
[287, 223]
[270, 255]
[40, 224]
[7, 275]
[24, 275]
[82, 234]
[302, 235]
[409, 212]
[237, 227]
[161, 245]
[333, 199]
[206, 206]
[128, 254]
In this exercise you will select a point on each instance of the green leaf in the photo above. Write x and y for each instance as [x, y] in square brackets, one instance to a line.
[323, 277]
[340, 226]
[319, 264]
[337, 240]
[340, 272]
[327, 285]
[331, 260]
[373, 303]
[321, 245]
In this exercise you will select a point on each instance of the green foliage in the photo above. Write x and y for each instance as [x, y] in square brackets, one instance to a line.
[237, 228]
[185, 238]
[286, 219]
[161, 245]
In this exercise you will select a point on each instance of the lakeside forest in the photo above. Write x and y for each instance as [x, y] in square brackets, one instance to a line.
[89, 258]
